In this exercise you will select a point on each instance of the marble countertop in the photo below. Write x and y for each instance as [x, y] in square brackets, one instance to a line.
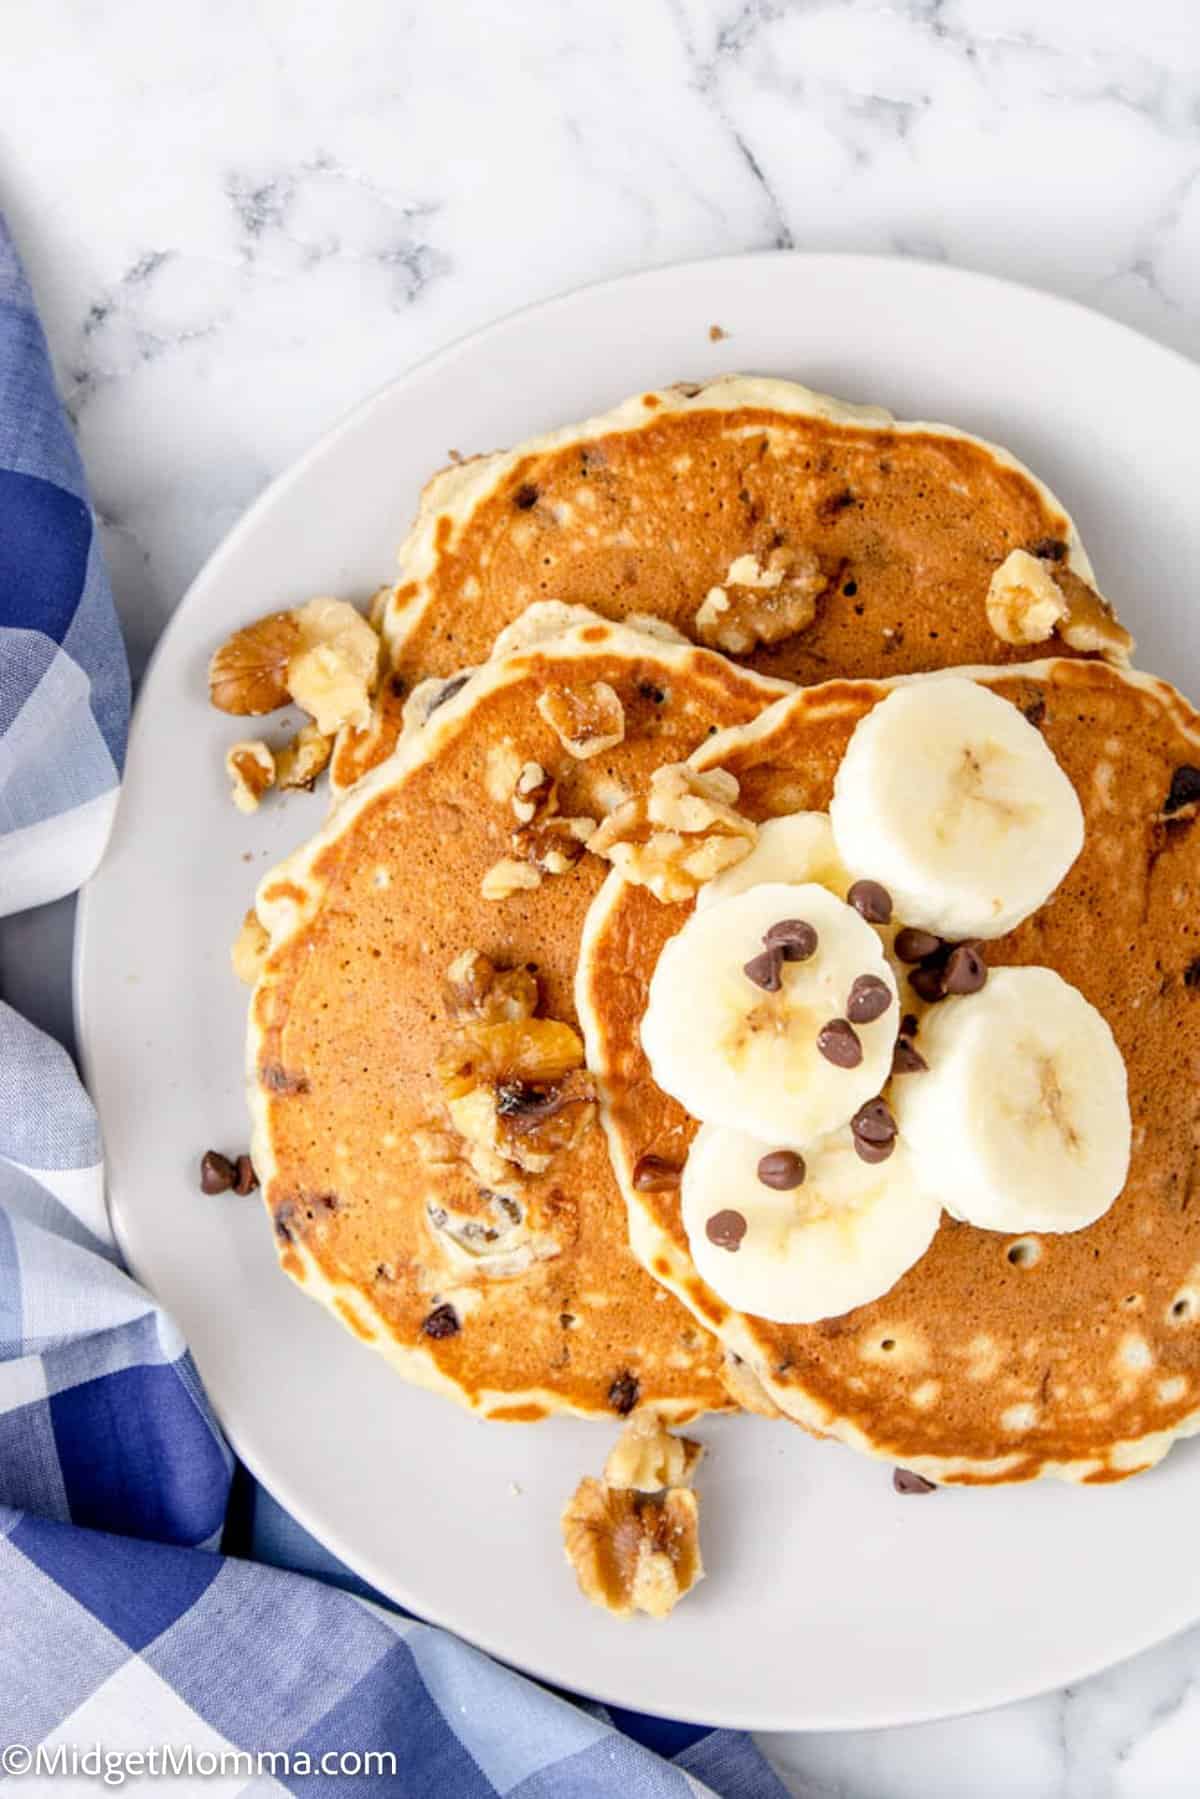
[242, 218]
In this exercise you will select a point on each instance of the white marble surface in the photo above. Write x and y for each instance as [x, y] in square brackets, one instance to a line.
[241, 218]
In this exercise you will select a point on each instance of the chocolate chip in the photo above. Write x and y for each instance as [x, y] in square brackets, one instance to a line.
[245, 1179]
[782, 1170]
[624, 1393]
[873, 1122]
[907, 1060]
[525, 497]
[1191, 974]
[838, 1042]
[285, 1211]
[871, 901]
[866, 1151]
[1048, 549]
[1185, 788]
[928, 982]
[764, 970]
[869, 999]
[965, 970]
[908, 1024]
[441, 1322]
[397, 686]
[850, 589]
[905, 1481]
[1035, 712]
[794, 938]
[726, 1230]
[217, 1172]
[913, 945]
[654, 1174]
[650, 692]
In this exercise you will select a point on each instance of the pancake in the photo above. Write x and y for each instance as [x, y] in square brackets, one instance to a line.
[1082, 1361]
[511, 1289]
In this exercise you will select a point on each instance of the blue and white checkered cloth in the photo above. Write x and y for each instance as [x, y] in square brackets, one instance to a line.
[123, 1628]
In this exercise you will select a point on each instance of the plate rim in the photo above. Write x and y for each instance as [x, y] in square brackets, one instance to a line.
[89, 1038]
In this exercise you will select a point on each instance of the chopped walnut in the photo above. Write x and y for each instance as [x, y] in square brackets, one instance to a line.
[249, 950]
[517, 1092]
[508, 876]
[1024, 601]
[1090, 626]
[533, 792]
[633, 1552]
[679, 835]
[300, 762]
[324, 655]
[501, 771]
[647, 1458]
[248, 674]
[335, 667]
[586, 720]
[762, 603]
[554, 844]
[251, 767]
[477, 989]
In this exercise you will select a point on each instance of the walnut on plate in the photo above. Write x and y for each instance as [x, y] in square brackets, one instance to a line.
[1032, 597]
[249, 950]
[762, 602]
[679, 834]
[250, 765]
[299, 762]
[646, 1456]
[323, 655]
[633, 1552]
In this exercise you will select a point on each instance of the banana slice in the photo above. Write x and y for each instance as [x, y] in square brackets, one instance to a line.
[796, 848]
[1022, 1121]
[950, 797]
[839, 1239]
[791, 1049]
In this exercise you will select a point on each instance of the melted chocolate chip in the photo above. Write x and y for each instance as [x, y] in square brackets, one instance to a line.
[1048, 549]
[765, 970]
[871, 901]
[928, 982]
[1035, 712]
[869, 999]
[782, 1169]
[965, 970]
[624, 1393]
[217, 1172]
[245, 1179]
[1185, 788]
[525, 497]
[908, 1024]
[905, 1481]
[850, 589]
[838, 1042]
[443, 1321]
[726, 1229]
[650, 692]
[907, 1060]
[285, 1212]
[655, 1174]
[873, 1122]
[794, 938]
[1191, 974]
[913, 945]
[278, 1079]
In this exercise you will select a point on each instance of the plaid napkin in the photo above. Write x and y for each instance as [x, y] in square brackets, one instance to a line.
[124, 1632]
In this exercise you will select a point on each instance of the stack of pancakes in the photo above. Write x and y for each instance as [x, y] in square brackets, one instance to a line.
[428, 941]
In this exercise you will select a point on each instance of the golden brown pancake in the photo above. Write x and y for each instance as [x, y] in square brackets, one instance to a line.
[516, 1293]
[978, 1368]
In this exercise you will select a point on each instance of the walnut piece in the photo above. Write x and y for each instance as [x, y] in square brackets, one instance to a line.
[762, 603]
[586, 720]
[251, 767]
[533, 792]
[633, 1552]
[508, 876]
[679, 835]
[647, 1458]
[1024, 601]
[477, 990]
[517, 1092]
[335, 667]
[249, 950]
[1090, 626]
[300, 762]
[248, 674]
[553, 844]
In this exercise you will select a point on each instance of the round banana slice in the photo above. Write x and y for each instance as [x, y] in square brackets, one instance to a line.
[840, 1238]
[950, 797]
[796, 848]
[785, 1042]
[1022, 1121]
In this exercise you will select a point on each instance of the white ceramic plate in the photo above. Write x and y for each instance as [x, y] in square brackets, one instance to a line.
[830, 1602]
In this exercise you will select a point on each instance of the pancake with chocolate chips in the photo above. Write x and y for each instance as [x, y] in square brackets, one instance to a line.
[800, 535]
[424, 1127]
[1072, 1352]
